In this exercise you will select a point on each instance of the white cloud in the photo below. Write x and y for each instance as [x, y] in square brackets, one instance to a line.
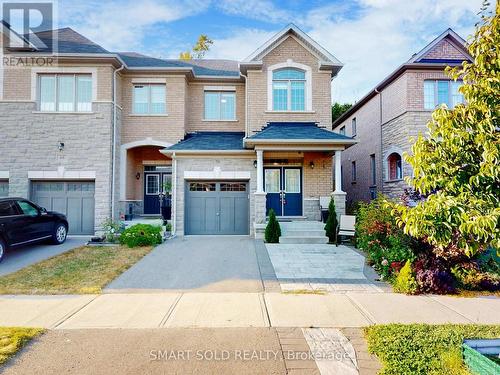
[119, 25]
[239, 46]
[263, 10]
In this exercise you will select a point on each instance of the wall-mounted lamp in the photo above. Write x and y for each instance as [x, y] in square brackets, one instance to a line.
[311, 164]
[255, 163]
[60, 146]
[138, 176]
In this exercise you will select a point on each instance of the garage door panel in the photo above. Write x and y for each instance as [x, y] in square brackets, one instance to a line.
[74, 199]
[220, 211]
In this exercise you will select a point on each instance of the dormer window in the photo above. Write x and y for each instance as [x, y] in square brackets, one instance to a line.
[289, 90]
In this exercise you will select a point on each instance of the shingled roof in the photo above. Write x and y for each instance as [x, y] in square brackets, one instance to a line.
[210, 141]
[296, 130]
[69, 41]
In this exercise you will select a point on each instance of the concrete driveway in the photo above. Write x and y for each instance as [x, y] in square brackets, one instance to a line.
[27, 255]
[197, 263]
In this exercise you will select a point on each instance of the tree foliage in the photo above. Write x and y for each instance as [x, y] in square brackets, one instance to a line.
[339, 109]
[199, 50]
[457, 167]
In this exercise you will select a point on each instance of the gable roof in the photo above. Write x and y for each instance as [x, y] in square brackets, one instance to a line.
[325, 57]
[418, 60]
[210, 141]
[456, 40]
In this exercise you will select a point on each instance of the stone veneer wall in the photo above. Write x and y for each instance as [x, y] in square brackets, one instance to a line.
[398, 135]
[209, 163]
[30, 143]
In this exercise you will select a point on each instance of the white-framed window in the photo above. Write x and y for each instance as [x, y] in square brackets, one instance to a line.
[149, 99]
[373, 170]
[342, 130]
[289, 89]
[65, 92]
[353, 124]
[220, 105]
[353, 171]
[441, 91]
[394, 167]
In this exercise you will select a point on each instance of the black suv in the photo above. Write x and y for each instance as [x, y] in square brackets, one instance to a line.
[23, 222]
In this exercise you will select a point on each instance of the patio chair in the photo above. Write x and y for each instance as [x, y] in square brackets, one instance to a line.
[347, 226]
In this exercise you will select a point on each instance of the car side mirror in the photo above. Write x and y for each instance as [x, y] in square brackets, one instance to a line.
[43, 211]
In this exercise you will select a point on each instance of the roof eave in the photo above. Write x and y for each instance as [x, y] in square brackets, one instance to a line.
[185, 152]
[255, 141]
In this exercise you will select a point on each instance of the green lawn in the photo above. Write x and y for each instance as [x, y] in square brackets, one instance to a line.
[13, 339]
[86, 269]
[423, 349]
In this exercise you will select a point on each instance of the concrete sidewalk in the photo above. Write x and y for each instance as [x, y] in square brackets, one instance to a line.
[213, 310]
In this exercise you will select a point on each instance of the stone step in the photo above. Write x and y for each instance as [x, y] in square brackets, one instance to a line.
[303, 240]
[302, 224]
[303, 232]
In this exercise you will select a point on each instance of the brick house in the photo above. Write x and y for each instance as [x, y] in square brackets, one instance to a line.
[98, 134]
[385, 121]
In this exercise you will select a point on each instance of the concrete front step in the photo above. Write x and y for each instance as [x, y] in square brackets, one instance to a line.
[303, 232]
[303, 240]
[302, 225]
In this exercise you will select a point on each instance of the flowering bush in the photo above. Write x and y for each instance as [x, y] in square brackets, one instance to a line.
[433, 275]
[112, 229]
[387, 247]
[141, 235]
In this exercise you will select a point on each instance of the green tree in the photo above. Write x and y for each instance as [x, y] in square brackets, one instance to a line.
[331, 223]
[339, 109]
[199, 50]
[458, 166]
[273, 229]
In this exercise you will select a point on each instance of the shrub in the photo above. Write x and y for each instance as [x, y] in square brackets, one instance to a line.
[331, 223]
[273, 230]
[433, 276]
[377, 233]
[405, 281]
[112, 229]
[141, 235]
[470, 277]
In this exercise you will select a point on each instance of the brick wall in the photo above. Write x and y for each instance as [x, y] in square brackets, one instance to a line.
[416, 80]
[195, 112]
[166, 128]
[444, 50]
[369, 142]
[257, 88]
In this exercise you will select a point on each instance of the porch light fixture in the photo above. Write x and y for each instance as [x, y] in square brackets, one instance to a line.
[255, 163]
[311, 164]
[138, 176]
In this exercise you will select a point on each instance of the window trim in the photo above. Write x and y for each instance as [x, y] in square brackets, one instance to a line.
[219, 92]
[354, 127]
[388, 167]
[436, 99]
[342, 130]
[307, 87]
[148, 84]
[56, 75]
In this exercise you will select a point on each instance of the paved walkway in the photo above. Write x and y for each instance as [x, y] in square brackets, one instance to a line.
[201, 264]
[320, 268]
[27, 255]
[212, 310]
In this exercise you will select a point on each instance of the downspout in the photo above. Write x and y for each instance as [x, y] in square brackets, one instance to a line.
[381, 162]
[246, 104]
[113, 154]
[174, 195]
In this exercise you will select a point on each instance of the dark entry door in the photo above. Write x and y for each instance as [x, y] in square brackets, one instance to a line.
[154, 184]
[283, 186]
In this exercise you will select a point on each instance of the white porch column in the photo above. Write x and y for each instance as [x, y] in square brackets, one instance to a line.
[339, 197]
[338, 171]
[260, 171]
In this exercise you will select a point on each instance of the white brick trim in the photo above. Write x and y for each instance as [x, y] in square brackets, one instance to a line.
[61, 174]
[219, 88]
[216, 174]
[149, 80]
[4, 175]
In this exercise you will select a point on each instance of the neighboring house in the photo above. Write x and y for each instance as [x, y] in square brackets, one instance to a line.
[385, 121]
[100, 134]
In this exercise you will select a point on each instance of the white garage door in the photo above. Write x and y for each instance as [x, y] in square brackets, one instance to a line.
[74, 199]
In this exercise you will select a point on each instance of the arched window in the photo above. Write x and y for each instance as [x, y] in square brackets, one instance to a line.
[394, 166]
[289, 93]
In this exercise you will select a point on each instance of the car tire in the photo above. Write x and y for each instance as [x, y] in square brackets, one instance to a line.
[3, 249]
[60, 234]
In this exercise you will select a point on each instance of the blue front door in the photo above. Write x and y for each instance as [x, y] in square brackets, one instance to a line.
[283, 186]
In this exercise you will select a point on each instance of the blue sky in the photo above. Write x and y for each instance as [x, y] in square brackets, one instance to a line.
[371, 37]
